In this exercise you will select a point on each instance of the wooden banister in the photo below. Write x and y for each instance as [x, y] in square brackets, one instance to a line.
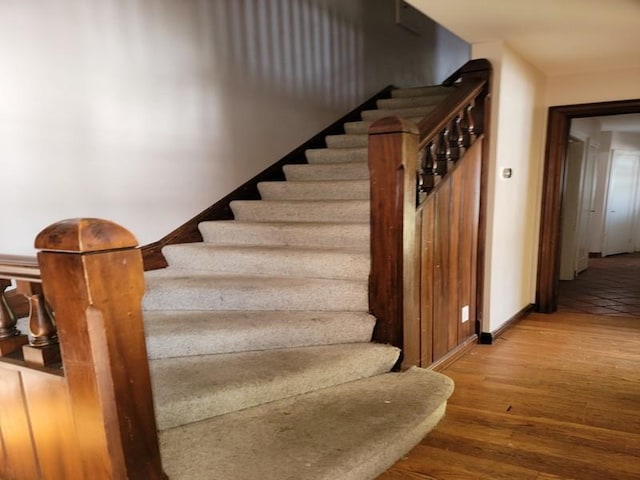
[407, 162]
[93, 278]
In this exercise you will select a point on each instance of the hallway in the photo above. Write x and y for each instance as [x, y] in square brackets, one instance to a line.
[555, 397]
[610, 286]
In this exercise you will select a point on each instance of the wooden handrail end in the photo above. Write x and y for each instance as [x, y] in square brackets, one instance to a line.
[393, 124]
[83, 235]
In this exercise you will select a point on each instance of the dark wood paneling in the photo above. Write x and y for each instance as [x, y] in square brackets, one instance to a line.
[456, 235]
[441, 269]
[426, 282]
[54, 433]
[21, 462]
[449, 246]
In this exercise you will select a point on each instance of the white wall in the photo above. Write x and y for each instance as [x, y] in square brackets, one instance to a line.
[147, 112]
[517, 133]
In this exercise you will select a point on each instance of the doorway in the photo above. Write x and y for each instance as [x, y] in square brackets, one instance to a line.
[559, 120]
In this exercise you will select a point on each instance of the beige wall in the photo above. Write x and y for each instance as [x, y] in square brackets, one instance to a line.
[147, 112]
[517, 132]
[593, 87]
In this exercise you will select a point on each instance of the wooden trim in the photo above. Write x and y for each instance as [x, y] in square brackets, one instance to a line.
[477, 66]
[487, 338]
[19, 267]
[550, 222]
[188, 232]
[444, 362]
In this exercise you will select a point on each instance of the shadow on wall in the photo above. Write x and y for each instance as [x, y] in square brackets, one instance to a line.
[147, 112]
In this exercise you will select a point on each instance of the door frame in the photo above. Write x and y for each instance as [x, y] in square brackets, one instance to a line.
[559, 121]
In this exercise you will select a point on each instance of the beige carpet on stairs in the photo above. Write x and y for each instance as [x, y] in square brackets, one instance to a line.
[259, 337]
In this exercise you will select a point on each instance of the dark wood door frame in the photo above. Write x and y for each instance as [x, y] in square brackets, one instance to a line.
[559, 121]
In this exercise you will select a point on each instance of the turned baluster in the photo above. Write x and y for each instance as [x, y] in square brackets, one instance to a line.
[467, 125]
[443, 152]
[11, 338]
[427, 164]
[43, 348]
[456, 140]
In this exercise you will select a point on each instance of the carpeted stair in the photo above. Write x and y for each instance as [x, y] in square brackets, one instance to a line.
[259, 337]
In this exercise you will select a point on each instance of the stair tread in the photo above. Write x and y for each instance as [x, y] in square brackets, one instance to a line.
[285, 233]
[184, 333]
[190, 389]
[352, 431]
[298, 262]
[186, 289]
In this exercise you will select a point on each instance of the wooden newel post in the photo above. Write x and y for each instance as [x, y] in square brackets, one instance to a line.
[393, 156]
[93, 279]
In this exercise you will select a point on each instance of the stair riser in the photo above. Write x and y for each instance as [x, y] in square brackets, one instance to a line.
[323, 367]
[180, 334]
[337, 155]
[421, 91]
[354, 211]
[319, 172]
[340, 190]
[408, 102]
[347, 141]
[303, 296]
[285, 234]
[400, 112]
[278, 263]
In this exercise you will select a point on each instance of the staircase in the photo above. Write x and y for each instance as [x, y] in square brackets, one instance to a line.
[259, 337]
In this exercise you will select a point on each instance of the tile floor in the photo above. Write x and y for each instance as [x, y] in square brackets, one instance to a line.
[610, 286]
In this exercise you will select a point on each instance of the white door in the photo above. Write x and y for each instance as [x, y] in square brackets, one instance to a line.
[620, 211]
[570, 207]
[586, 208]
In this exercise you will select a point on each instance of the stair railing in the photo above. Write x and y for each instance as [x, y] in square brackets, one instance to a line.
[407, 163]
[75, 395]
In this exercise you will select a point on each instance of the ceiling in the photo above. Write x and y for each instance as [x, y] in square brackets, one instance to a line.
[557, 36]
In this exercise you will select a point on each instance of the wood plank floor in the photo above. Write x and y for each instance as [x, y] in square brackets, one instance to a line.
[556, 397]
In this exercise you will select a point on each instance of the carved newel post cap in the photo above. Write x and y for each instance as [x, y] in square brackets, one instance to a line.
[82, 235]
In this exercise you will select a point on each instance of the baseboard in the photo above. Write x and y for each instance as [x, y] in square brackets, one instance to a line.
[444, 362]
[595, 254]
[487, 338]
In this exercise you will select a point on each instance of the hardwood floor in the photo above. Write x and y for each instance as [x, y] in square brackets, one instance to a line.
[556, 397]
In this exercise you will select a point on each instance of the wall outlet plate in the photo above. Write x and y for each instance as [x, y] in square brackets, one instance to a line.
[465, 313]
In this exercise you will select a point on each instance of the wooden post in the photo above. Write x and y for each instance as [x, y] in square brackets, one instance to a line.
[393, 156]
[93, 279]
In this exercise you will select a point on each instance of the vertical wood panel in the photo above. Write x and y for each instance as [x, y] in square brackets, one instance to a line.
[54, 431]
[426, 283]
[455, 236]
[21, 462]
[441, 225]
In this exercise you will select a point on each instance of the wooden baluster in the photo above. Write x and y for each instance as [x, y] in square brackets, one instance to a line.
[443, 152]
[456, 143]
[43, 348]
[11, 338]
[92, 277]
[467, 125]
[427, 169]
